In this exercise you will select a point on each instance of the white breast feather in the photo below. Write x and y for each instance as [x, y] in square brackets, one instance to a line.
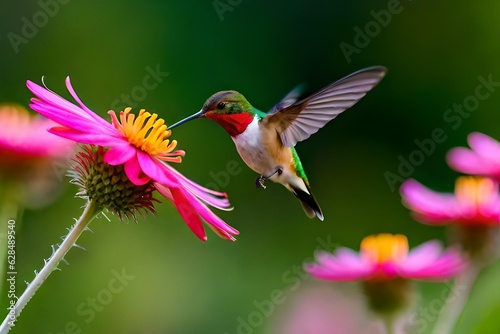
[250, 137]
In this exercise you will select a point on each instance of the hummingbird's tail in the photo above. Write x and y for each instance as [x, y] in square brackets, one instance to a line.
[307, 200]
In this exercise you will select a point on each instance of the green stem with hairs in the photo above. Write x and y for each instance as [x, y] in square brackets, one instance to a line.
[69, 241]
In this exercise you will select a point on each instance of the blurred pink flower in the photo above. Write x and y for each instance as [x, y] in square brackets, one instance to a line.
[385, 267]
[141, 144]
[482, 159]
[387, 257]
[28, 157]
[476, 201]
[24, 136]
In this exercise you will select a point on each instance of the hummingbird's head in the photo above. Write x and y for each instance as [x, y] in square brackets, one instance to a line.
[226, 102]
[228, 108]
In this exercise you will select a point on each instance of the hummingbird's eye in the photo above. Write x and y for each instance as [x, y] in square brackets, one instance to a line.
[221, 105]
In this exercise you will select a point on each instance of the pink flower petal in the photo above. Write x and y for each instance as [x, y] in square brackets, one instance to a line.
[343, 265]
[118, 155]
[482, 159]
[151, 167]
[347, 256]
[449, 264]
[49, 98]
[188, 213]
[469, 162]
[429, 206]
[214, 198]
[340, 275]
[65, 113]
[218, 225]
[343, 258]
[164, 191]
[422, 256]
[86, 138]
[209, 216]
[388, 269]
[72, 117]
[89, 112]
[485, 146]
[135, 173]
[221, 233]
[196, 186]
[65, 117]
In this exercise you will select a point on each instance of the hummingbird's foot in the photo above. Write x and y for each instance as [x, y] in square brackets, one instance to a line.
[259, 182]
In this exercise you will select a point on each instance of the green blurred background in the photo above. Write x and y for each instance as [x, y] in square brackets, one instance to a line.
[435, 53]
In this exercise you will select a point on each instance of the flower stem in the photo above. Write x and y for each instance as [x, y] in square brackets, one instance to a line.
[456, 301]
[391, 325]
[50, 265]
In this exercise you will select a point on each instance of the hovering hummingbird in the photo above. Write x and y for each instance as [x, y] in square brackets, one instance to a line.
[265, 141]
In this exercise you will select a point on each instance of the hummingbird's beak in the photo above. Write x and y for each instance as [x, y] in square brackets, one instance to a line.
[197, 115]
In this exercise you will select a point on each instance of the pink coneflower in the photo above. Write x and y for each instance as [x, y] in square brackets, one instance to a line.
[473, 210]
[482, 159]
[476, 201]
[139, 143]
[385, 266]
[387, 257]
[25, 137]
[28, 155]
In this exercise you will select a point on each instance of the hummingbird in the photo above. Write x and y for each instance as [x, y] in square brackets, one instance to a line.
[266, 141]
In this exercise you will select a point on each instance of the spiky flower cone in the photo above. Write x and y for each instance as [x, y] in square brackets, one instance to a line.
[108, 186]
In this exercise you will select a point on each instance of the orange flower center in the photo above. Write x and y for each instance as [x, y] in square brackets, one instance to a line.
[148, 133]
[385, 248]
[474, 190]
[16, 117]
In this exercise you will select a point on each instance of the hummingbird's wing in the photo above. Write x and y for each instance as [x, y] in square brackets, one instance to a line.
[288, 99]
[301, 119]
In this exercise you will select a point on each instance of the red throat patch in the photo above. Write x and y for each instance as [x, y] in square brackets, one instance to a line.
[234, 124]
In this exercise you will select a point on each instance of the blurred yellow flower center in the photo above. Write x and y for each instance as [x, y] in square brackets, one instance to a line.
[15, 117]
[384, 248]
[474, 190]
[146, 132]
